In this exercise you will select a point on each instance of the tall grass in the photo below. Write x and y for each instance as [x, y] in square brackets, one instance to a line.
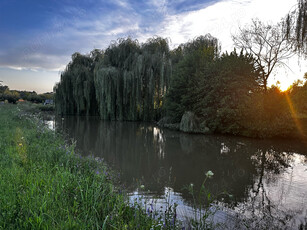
[45, 185]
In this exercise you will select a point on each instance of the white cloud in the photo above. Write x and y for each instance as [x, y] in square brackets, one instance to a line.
[16, 68]
[84, 31]
[122, 3]
[223, 19]
[123, 30]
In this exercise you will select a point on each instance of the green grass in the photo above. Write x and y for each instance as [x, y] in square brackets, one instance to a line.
[46, 108]
[45, 185]
[33, 107]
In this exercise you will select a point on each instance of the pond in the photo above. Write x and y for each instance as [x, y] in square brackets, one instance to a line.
[267, 179]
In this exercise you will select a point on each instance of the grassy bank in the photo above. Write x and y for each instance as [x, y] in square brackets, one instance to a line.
[45, 185]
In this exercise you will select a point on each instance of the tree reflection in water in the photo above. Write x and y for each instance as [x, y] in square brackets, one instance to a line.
[265, 177]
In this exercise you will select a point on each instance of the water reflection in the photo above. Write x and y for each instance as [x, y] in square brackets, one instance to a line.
[267, 178]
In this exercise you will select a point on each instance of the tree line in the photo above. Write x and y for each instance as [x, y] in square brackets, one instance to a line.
[227, 92]
[12, 96]
[127, 81]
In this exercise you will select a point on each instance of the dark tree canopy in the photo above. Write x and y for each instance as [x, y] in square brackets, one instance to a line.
[225, 93]
[75, 94]
[295, 28]
[191, 60]
[126, 82]
[132, 80]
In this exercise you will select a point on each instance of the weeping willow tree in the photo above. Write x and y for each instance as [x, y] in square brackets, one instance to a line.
[126, 82]
[296, 28]
[75, 94]
[155, 72]
[132, 79]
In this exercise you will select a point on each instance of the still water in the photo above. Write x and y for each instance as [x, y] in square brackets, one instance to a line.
[266, 178]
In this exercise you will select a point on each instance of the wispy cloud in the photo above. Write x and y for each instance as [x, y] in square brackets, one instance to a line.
[76, 26]
[122, 3]
[221, 19]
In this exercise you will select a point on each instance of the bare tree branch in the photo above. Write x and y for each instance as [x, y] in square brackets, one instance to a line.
[267, 43]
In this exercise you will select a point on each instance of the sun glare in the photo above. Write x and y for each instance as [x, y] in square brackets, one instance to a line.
[284, 86]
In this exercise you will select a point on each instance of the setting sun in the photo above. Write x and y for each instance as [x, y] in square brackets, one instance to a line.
[135, 114]
[285, 85]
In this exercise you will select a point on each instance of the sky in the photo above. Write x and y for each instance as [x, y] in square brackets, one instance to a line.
[37, 38]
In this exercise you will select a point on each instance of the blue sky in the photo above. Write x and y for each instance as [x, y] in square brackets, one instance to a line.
[37, 38]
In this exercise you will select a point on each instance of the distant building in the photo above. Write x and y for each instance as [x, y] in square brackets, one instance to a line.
[21, 100]
[48, 102]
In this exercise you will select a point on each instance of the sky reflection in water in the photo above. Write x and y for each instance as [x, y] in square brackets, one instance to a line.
[267, 178]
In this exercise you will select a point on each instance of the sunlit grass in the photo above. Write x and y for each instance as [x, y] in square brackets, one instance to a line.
[45, 185]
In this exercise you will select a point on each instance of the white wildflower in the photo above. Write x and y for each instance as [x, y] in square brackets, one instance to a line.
[209, 174]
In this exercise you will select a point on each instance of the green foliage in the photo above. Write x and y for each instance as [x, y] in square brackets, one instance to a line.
[298, 96]
[203, 205]
[132, 80]
[268, 115]
[192, 60]
[3, 88]
[12, 96]
[46, 108]
[126, 82]
[223, 95]
[215, 87]
[75, 94]
[45, 185]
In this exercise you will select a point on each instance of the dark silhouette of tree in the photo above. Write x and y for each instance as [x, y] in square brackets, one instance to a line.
[295, 28]
[224, 92]
[135, 81]
[267, 43]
